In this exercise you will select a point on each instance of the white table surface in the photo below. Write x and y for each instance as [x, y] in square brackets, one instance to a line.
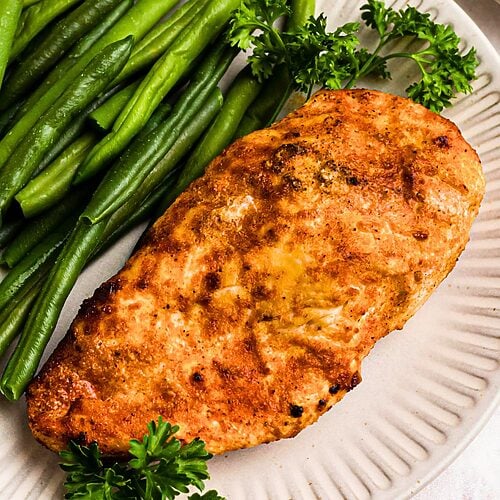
[475, 474]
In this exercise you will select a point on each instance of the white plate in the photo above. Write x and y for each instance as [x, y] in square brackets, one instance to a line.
[426, 391]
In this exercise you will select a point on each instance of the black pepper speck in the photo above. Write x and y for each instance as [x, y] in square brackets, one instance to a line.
[296, 411]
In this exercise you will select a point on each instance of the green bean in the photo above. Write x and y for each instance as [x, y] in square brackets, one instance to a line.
[80, 48]
[63, 35]
[158, 40]
[37, 229]
[93, 80]
[14, 316]
[133, 167]
[79, 248]
[53, 183]
[41, 256]
[302, 10]
[105, 115]
[268, 104]
[161, 112]
[72, 132]
[240, 96]
[136, 22]
[34, 19]
[9, 19]
[160, 80]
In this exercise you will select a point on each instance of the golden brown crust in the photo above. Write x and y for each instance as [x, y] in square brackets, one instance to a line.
[247, 311]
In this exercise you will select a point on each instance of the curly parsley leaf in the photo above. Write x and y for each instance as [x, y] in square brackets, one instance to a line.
[87, 476]
[444, 71]
[377, 16]
[314, 56]
[318, 57]
[161, 468]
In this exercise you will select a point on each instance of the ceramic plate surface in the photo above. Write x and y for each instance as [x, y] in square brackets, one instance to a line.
[426, 390]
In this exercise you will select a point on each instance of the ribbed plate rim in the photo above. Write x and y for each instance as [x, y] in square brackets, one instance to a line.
[454, 11]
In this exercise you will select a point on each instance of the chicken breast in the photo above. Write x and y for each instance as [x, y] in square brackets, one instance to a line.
[252, 302]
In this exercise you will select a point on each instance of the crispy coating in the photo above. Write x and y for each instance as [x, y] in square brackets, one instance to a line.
[247, 311]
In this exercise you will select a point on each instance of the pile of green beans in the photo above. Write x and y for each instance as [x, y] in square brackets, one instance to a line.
[128, 173]
[66, 32]
[83, 45]
[52, 124]
[106, 116]
[164, 75]
[136, 22]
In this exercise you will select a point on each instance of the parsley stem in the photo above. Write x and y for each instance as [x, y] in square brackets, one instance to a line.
[407, 55]
[367, 66]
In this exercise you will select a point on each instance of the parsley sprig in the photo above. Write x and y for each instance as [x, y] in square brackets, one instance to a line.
[444, 71]
[161, 469]
[314, 56]
[311, 54]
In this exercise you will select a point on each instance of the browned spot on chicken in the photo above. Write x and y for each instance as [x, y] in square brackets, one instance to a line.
[442, 141]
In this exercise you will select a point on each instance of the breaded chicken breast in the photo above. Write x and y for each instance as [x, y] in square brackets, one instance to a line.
[253, 300]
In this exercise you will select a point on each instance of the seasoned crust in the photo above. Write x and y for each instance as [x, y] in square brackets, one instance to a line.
[247, 312]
